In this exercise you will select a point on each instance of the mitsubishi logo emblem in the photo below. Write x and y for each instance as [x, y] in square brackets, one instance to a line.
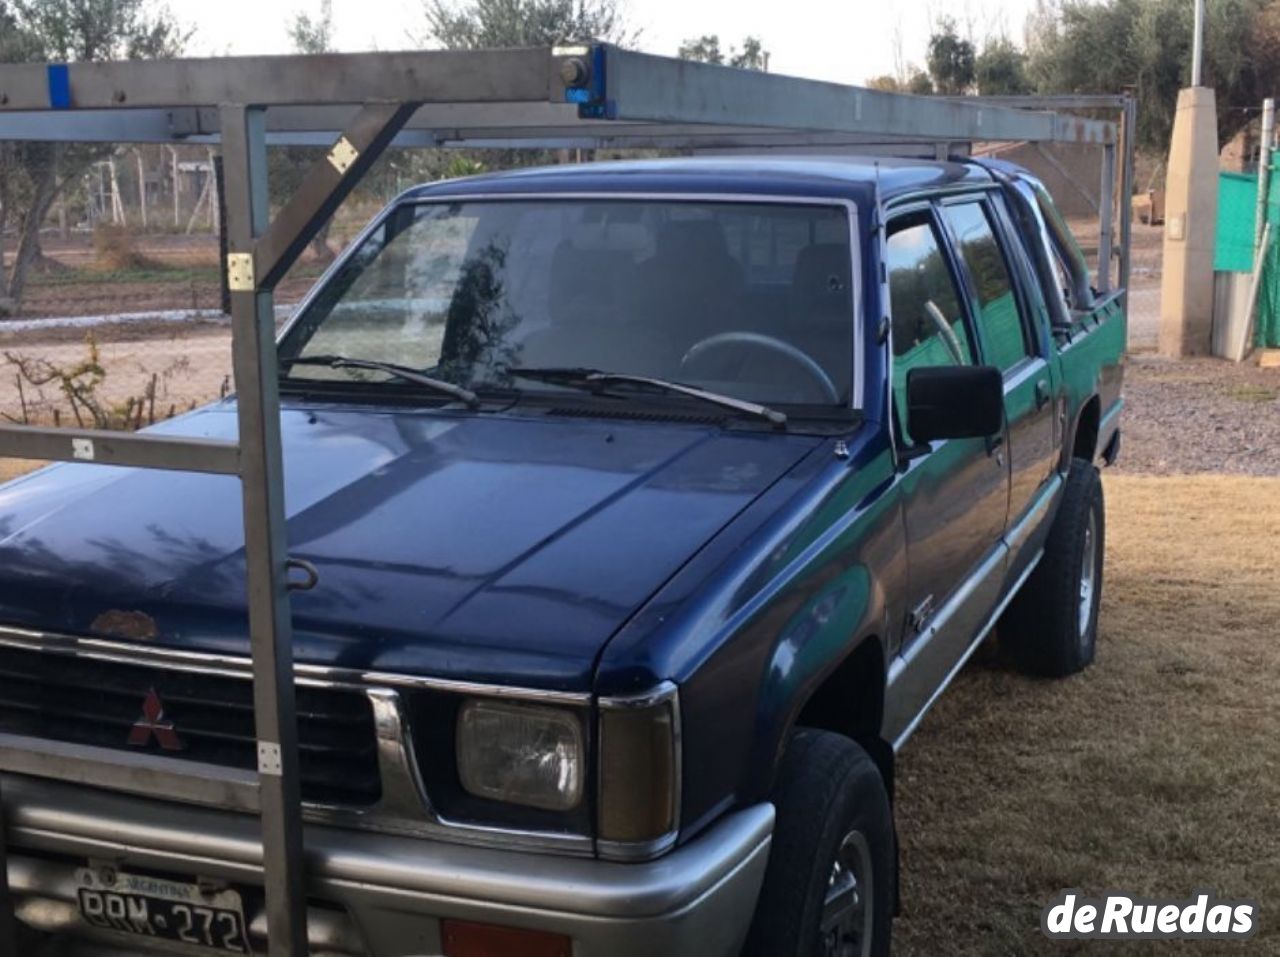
[151, 723]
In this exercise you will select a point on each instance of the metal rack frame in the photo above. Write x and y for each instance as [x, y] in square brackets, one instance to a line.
[596, 96]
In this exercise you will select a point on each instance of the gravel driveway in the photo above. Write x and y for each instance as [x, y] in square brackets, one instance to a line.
[1200, 415]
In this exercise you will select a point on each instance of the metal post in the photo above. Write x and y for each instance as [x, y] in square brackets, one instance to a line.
[224, 289]
[262, 480]
[1197, 46]
[1128, 130]
[8, 922]
[1264, 170]
[173, 166]
[1106, 210]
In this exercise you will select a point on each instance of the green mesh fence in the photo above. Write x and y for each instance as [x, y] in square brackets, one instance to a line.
[1267, 326]
[1237, 206]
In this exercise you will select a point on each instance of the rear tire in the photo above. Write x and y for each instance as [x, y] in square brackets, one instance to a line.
[1051, 626]
[828, 890]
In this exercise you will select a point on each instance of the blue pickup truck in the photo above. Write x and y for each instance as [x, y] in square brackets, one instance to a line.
[648, 508]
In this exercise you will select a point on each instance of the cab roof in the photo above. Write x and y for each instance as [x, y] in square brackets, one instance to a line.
[853, 178]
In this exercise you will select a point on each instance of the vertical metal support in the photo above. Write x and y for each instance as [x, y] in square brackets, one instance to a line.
[1106, 210]
[1264, 170]
[1197, 46]
[8, 922]
[1128, 131]
[262, 480]
[220, 183]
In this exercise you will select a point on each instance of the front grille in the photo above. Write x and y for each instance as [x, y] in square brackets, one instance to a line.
[84, 700]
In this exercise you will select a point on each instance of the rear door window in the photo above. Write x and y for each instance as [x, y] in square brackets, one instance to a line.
[1002, 326]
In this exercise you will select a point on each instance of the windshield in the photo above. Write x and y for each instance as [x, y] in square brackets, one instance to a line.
[749, 300]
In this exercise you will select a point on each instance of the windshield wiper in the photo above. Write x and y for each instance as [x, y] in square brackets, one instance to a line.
[597, 380]
[400, 372]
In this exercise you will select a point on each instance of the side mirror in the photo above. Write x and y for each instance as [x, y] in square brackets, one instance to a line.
[954, 402]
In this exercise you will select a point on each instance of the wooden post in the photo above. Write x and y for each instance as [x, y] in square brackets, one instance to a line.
[117, 207]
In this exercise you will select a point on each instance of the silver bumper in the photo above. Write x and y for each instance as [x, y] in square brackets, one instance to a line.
[385, 895]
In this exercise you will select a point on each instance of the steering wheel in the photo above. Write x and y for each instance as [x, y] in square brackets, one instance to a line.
[755, 340]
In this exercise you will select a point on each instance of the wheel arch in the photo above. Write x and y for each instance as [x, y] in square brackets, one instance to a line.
[1083, 442]
[850, 701]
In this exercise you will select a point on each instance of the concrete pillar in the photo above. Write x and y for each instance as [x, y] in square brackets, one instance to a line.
[1190, 226]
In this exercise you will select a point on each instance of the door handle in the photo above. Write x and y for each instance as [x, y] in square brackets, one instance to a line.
[1042, 394]
[994, 442]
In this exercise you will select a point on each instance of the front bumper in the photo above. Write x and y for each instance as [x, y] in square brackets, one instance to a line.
[383, 895]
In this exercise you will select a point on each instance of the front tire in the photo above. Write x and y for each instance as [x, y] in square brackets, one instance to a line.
[828, 890]
[1051, 626]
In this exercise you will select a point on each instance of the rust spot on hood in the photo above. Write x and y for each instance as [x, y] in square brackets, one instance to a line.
[137, 625]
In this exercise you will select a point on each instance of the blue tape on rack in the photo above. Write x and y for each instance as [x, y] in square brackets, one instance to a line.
[59, 86]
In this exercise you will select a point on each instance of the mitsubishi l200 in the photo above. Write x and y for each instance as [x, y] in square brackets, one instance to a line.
[650, 507]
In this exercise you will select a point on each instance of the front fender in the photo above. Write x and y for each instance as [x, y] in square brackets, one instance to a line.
[751, 638]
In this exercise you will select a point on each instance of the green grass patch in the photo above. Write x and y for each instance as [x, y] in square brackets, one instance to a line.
[150, 274]
[1251, 392]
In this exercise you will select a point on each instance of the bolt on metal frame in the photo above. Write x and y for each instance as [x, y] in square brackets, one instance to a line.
[594, 96]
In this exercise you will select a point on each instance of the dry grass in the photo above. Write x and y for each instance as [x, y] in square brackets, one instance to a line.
[114, 250]
[12, 468]
[1157, 771]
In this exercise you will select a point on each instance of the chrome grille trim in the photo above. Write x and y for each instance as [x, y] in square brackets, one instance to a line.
[233, 666]
[403, 807]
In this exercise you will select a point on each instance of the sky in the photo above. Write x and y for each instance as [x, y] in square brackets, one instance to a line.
[845, 41]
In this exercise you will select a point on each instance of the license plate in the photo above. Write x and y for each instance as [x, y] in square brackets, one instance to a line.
[162, 909]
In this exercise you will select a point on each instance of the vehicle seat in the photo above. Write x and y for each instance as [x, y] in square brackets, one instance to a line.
[590, 310]
[692, 286]
[820, 311]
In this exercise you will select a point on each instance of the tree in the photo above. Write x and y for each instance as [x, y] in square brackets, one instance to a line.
[1084, 47]
[32, 175]
[918, 82]
[310, 34]
[885, 82]
[706, 49]
[1001, 69]
[481, 24]
[950, 60]
[752, 56]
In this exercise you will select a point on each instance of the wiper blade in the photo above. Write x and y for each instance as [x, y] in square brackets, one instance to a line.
[597, 379]
[400, 372]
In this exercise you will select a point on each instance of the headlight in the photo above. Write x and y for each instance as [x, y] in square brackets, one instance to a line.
[639, 773]
[521, 754]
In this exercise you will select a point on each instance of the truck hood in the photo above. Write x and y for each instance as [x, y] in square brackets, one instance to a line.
[477, 547]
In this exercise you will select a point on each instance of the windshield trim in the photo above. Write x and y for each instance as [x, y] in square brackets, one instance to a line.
[857, 380]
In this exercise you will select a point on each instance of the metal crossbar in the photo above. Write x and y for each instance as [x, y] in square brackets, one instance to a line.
[120, 448]
[358, 106]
